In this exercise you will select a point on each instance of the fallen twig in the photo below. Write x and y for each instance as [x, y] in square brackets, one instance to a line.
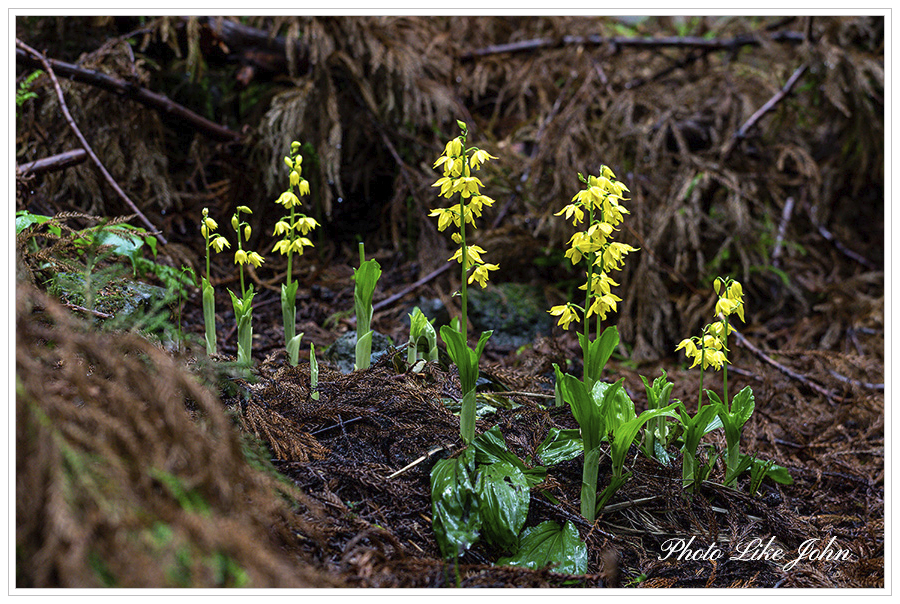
[782, 227]
[54, 162]
[65, 111]
[419, 460]
[768, 106]
[788, 372]
[130, 90]
[618, 41]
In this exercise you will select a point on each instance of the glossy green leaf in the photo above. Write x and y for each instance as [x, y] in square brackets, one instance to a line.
[549, 545]
[490, 448]
[503, 499]
[597, 352]
[614, 403]
[560, 446]
[456, 517]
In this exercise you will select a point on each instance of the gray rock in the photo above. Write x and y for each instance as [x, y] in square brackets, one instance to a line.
[517, 312]
[342, 354]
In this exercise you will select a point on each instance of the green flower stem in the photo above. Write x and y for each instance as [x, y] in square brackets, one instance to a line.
[589, 379]
[464, 321]
[725, 365]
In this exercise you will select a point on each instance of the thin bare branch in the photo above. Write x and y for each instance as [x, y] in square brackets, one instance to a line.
[65, 110]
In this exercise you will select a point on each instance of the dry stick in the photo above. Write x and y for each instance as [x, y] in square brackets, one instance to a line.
[788, 372]
[134, 92]
[785, 218]
[618, 41]
[84, 143]
[768, 106]
[53, 162]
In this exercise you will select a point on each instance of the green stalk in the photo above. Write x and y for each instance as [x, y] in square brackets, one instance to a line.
[725, 369]
[589, 379]
[464, 321]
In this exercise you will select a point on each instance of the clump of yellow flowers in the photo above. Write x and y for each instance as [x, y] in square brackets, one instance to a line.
[293, 229]
[601, 201]
[458, 162]
[711, 347]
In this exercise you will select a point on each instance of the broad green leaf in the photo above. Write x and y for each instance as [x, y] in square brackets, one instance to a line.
[560, 446]
[597, 352]
[549, 545]
[490, 447]
[456, 518]
[503, 499]
[779, 474]
[122, 243]
[584, 408]
[614, 403]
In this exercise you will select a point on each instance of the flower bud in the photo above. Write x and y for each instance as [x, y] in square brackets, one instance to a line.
[234, 222]
[244, 209]
[295, 146]
[205, 212]
[288, 161]
[247, 232]
[295, 178]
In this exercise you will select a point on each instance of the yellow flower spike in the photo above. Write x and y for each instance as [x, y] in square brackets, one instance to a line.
[240, 257]
[218, 243]
[480, 274]
[294, 178]
[479, 157]
[566, 315]
[255, 259]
